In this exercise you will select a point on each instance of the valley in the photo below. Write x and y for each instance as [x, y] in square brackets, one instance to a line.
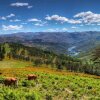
[58, 42]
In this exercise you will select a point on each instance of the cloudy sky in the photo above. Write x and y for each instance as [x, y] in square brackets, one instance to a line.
[49, 15]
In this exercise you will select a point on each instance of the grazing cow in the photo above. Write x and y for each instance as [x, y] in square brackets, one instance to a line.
[11, 81]
[32, 77]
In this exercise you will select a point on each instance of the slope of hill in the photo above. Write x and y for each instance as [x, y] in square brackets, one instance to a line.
[38, 56]
[49, 85]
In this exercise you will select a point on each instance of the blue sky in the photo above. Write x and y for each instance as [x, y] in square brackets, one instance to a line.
[49, 15]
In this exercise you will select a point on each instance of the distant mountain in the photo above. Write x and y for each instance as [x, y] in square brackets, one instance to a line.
[60, 42]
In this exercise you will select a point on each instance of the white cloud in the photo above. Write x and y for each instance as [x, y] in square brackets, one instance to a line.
[64, 29]
[16, 20]
[87, 24]
[56, 30]
[83, 14]
[29, 7]
[11, 15]
[74, 27]
[6, 17]
[52, 30]
[72, 21]
[3, 18]
[88, 17]
[34, 20]
[40, 23]
[12, 27]
[37, 22]
[57, 18]
[62, 19]
[83, 17]
[21, 4]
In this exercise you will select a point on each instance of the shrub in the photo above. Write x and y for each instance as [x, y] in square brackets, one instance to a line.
[48, 97]
[32, 96]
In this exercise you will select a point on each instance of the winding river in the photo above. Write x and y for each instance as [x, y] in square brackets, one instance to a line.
[72, 51]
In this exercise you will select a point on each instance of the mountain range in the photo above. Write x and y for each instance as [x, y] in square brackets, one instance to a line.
[73, 43]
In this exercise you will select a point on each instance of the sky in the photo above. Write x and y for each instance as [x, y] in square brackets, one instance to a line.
[49, 15]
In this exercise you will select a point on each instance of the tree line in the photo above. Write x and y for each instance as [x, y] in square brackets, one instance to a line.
[39, 57]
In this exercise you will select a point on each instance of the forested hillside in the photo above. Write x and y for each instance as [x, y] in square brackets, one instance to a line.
[38, 56]
[41, 57]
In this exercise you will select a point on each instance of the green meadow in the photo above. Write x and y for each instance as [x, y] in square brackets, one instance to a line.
[50, 84]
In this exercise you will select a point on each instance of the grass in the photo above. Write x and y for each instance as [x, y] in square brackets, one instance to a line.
[14, 64]
[50, 84]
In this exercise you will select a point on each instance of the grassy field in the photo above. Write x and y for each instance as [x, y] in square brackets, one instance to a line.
[14, 64]
[50, 84]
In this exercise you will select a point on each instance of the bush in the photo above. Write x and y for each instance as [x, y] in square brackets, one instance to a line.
[27, 83]
[48, 97]
[32, 96]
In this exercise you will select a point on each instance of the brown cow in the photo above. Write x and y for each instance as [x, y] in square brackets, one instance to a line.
[32, 77]
[11, 81]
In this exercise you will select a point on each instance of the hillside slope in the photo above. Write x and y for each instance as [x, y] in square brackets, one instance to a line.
[38, 56]
[49, 85]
